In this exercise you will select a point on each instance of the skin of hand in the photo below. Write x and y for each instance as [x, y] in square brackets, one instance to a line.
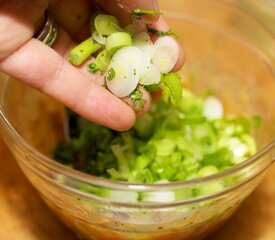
[47, 69]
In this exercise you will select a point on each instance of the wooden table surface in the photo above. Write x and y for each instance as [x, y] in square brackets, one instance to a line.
[24, 216]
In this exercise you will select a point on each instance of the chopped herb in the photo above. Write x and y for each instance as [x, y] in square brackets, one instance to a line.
[103, 60]
[160, 33]
[139, 102]
[105, 24]
[139, 105]
[83, 51]
[171, 88]
[92, 68]
[168, 144]
[175, 141]
[136, 95]
[152, 87]
[118, 40]
[139, 13]
[111, 74]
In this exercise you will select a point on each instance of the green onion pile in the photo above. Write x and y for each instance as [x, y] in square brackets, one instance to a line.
[128, 58]
[189, 140]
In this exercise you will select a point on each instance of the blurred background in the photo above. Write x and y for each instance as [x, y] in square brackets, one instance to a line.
[263, 10]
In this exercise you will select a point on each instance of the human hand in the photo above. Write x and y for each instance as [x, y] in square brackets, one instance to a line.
[47, 69]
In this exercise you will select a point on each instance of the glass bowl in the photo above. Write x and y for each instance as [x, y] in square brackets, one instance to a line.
[227, 53]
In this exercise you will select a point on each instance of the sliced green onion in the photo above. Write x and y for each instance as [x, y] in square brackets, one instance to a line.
[144, 126]
[142, 162]
[130, 64]
[172, 89]
[103, 60]
[92, 68]
[172, 143]
[107, 24]
[153, 87]
[100, 39]
[151, 76]
[188, 140]
[157, 197]
[83, 51]
[160, 33]
[116, 195]
[165, 147]
[212, 108]
[139, 13]
[125, 81]
[84, 187]
[207, 171]
[211, 188]
[136, 97]
[117, 41]
[119, 154]
[144, 43]
[92, 20]
[111, 74]
[251, 144]
[135, 57]
[167, 54]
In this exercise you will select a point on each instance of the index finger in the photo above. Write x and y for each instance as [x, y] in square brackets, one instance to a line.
[42, 68]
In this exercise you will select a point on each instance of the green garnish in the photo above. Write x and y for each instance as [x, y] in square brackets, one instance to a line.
[138, 101]
[108, 37]
[160, 33]
[139, 13]
[171, 88]
[92, 68]
[136, 95]
[111, 74]
[171, 143]
[153, 87]
[106, 25]
[83, 51]
[139, 104]
[103, 60]
[117, 41]
[175, 141]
